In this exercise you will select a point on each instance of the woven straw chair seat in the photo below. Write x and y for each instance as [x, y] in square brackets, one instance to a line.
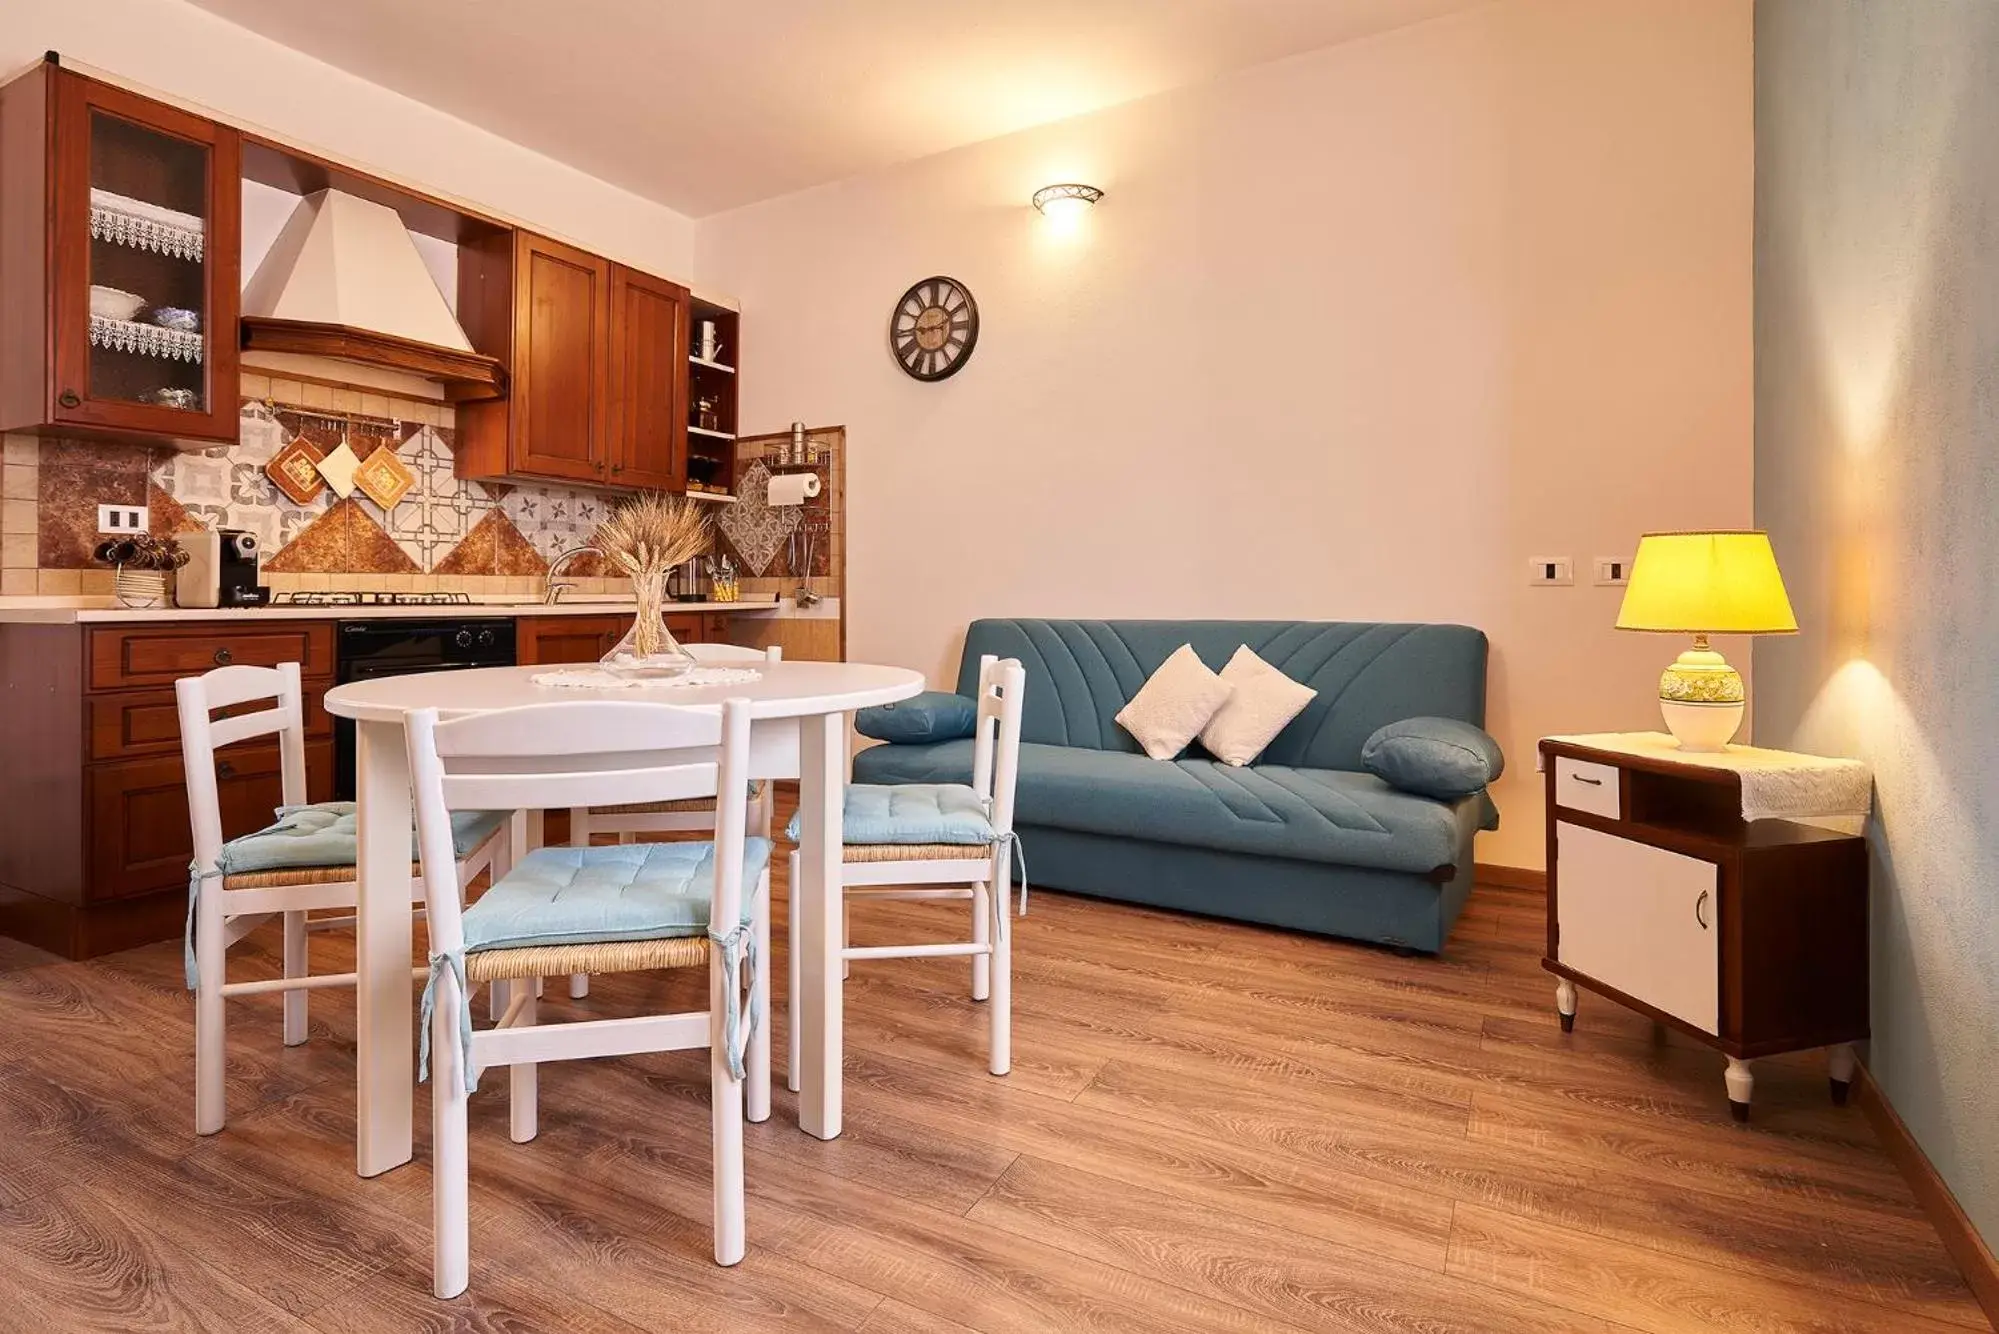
[915, 852]
[688, 805]
[281, 877]
[617, 956]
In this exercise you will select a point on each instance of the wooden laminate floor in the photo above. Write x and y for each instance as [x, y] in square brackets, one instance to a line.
[1208, 1127]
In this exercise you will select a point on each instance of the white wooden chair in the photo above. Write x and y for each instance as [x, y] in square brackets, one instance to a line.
[609, 909]
[233, 891]
[979, 872]
[662, 817]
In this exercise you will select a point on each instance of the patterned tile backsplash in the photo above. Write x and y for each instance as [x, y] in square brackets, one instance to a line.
[441, 530]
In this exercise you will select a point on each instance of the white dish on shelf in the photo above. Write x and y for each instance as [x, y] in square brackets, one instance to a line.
[114, 303]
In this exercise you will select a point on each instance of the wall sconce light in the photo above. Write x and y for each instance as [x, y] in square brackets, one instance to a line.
[1066, 203]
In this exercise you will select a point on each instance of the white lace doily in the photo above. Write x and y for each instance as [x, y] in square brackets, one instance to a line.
[596, 678]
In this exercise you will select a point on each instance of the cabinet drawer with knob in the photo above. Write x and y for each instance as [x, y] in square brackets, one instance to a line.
[158, 655]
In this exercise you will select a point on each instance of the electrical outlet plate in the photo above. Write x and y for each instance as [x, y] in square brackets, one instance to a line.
[1612, 571]
[122, 520]
[1550, 571]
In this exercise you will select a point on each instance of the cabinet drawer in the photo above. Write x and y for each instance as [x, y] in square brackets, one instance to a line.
[147, 722]
[1583, 786]
[161, 655]
[1640, 919]
[139, 837]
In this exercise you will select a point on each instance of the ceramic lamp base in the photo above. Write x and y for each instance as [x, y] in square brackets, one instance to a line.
[1702, 698]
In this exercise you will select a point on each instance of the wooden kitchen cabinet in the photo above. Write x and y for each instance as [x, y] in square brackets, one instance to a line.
[541, 640]
[648, 427]
[114, 207]
[598, 355]
[94, 838]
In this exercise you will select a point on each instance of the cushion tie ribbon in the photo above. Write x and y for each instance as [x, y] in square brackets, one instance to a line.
[195, 875]
[440, 964]
[737, 1035]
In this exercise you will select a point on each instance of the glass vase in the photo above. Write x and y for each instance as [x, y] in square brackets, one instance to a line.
[648, 648]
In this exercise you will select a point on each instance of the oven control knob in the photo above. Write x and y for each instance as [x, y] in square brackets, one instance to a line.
[463, 639]
[485, 639]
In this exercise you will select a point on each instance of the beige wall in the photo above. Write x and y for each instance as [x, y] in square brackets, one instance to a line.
[1352, 336]
[194, 56]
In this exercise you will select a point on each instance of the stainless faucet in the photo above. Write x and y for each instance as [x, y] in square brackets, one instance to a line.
[551, 592]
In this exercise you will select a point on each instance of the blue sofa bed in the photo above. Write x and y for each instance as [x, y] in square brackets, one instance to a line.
[1303, 838]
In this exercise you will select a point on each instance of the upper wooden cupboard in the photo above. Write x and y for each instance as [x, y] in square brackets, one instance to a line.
[598, 354]
[120, 250]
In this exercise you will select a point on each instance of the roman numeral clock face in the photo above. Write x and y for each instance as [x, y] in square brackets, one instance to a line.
[934, 329]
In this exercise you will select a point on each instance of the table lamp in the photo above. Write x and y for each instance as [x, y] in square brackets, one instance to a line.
[1703, 584]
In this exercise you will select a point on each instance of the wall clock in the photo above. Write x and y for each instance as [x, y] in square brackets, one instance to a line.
[934, 329]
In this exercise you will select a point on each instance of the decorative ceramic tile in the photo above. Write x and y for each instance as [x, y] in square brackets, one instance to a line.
[342, 540]
[494, 546]
[295, 471]
[384, 478]
[754, 527]
[441, 509]
[555, 519]
[338, 468]
[72, 479]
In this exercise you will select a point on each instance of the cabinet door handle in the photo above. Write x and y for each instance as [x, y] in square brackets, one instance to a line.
[69, 398]
[1593, 782]
[1699, 904]
[223, 657]
[224, 769]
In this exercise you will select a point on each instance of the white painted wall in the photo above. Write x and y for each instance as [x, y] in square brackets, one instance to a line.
[1352, 336]
[196, 57]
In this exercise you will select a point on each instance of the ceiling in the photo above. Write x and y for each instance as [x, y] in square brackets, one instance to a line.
[707, 106]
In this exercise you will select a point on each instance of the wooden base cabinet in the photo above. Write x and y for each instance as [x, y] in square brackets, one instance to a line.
[94, 837]
[544, 640]
[1748, 936]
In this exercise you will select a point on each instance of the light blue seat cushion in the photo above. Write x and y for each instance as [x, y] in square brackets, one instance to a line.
[580, 896]
[934, 715]
[325, 834]
[913, 813]
[1270, 810]
[1434, 757]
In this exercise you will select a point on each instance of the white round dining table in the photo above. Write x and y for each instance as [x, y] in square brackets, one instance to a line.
[798, 729]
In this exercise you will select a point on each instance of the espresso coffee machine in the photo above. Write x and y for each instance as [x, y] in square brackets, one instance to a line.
[221, 570]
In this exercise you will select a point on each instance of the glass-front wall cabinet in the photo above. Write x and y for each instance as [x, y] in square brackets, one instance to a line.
[148, 218]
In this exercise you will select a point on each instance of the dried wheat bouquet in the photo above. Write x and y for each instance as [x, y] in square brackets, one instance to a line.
[644, 538]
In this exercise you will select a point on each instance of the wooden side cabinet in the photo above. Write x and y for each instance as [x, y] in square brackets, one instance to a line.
[120, 248]
[1749, 936]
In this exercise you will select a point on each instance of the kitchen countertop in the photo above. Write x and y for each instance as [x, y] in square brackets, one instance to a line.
[73, 611]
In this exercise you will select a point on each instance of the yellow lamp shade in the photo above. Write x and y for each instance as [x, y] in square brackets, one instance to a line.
[1706, 583]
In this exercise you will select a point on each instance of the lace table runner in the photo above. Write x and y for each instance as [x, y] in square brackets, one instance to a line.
[596, 678]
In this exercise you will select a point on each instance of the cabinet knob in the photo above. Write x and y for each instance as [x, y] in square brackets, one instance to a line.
[223, 657]
[69, 398]
[224, 769]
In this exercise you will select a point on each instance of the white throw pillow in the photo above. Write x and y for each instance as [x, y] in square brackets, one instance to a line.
[1265, 700]
[1172, 707]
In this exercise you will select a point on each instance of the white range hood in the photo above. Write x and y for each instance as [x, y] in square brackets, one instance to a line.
[344, 281]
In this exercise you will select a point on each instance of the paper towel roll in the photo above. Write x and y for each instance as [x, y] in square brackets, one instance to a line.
[792, 488]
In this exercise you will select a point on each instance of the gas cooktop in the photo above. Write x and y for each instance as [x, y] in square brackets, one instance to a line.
[325, 598]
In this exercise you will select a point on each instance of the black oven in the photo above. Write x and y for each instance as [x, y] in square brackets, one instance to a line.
[397, 646]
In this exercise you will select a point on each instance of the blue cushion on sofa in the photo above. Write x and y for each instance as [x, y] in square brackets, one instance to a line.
[579, 896]
[934, 715]
[1314, 815]
[1434, 757]
[911, 813]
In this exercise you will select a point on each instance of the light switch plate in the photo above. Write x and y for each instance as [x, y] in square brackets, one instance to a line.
[1612, 571]
[1550, 571]
[122, 520]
